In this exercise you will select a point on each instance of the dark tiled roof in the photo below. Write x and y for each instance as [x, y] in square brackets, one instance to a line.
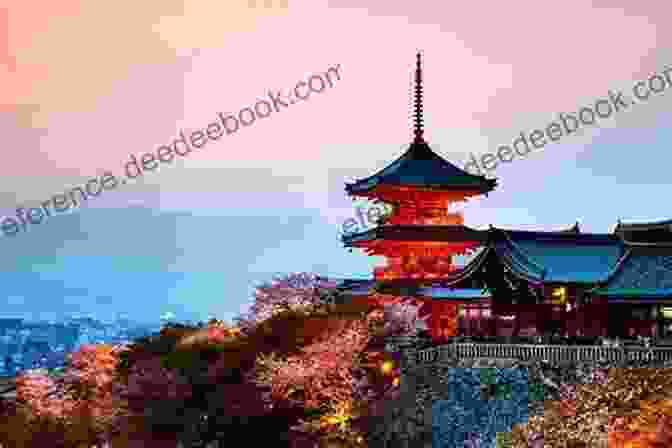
[419, 166]
[575, 229]
[562, 236]
[646, 272]
[559, 257]
[456, 280]
[664, 224]
[659, 232]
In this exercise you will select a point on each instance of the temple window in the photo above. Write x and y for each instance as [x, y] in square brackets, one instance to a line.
[666, 311]
[559, 295]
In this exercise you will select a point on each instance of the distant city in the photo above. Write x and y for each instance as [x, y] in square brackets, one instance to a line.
[27, 345]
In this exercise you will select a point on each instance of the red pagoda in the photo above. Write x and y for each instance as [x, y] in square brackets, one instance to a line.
[420, 237]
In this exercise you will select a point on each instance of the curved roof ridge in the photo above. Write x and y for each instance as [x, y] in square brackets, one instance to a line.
[526, 257]
[410, 165]
[396, 161]
[626, 279]
[509, 263]
[425, 146]
[522, 265]
[618, 267]
[470, 268]
[643, 244]
[662, 222]
[560, 235]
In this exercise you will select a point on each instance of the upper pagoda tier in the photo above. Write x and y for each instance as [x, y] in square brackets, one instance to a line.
[420, 184]
[420, 169]
[422, 233]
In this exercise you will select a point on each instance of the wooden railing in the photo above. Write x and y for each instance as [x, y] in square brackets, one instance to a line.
[550, 353]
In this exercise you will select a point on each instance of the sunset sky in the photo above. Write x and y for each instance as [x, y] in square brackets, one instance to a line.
[85, 84]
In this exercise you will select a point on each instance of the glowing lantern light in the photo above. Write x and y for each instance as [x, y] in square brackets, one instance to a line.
[386, 367]
[559, 295]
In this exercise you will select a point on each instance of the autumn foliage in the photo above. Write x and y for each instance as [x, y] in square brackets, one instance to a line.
[619, 408]
[295, 361]
[78, 407]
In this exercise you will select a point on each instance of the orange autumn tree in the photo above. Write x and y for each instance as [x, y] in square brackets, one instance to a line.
[320, 371]
[217, 360]
[217, 364]
[302, 350]
[77, 407]
[334, 375]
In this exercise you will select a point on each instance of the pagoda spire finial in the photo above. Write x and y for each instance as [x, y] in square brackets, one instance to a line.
[418, 131]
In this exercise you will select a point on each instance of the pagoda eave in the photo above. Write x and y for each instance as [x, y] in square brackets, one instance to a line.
[416, 233]
[390, 192]
[421, 288]
[401, 248]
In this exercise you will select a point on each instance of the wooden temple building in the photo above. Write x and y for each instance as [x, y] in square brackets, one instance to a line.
[523, 283]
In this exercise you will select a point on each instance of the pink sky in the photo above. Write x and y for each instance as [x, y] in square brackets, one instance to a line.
[88, 85]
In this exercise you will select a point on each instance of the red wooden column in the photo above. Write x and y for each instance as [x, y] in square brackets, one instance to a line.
[443, 321]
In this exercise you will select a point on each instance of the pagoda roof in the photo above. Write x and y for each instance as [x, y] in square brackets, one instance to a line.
[456, 280]
[558, 257]
[450, 233]
[434, 292]
[420, 167]
[645, 274]
[438, 293]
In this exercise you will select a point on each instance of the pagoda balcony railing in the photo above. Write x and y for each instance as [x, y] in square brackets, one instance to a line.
[397, 273]
[441, 219]
[555, 354]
